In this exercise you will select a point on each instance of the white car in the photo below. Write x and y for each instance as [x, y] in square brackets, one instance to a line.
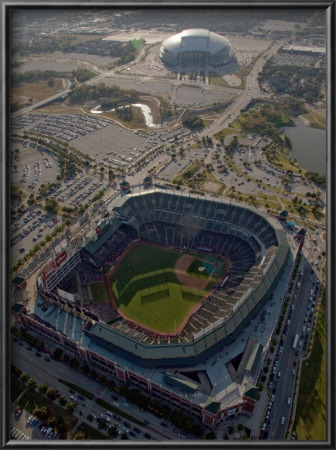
[263, 426]
[282, 420]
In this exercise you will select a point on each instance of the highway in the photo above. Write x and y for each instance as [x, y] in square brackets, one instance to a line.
[299, 314]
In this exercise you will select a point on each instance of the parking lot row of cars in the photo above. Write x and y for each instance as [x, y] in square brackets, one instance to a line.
[23, 228]
[270, 171]
[27, 119]
[69, 126]
[70, 189]
[293, 59]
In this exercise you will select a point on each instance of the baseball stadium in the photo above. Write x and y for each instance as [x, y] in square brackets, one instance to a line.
[163, 286]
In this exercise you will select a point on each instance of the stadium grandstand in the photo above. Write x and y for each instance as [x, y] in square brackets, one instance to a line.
[258, 253]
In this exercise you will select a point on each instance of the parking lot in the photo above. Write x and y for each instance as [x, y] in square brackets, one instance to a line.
[62, 126]
[32, 167]
[26, 427]
[32, 226]
[289, 59]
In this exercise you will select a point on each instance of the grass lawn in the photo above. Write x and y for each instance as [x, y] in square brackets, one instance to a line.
[310, 420]
[30, 400]
[316, 120]
[138, 43]
[225, 132]
[16, 388]
[37, 91]
[90, 433]
[217, 80]
[147, 290]
[99, 292]
[189, 172]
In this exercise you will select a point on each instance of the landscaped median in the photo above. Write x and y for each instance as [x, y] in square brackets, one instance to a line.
[78, 389]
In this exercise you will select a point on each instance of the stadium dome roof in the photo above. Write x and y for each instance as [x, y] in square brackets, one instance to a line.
[195, 40]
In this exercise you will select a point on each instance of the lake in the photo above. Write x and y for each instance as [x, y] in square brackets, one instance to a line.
[309, 146]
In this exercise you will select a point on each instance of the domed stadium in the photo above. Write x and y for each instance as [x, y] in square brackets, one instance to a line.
[196, 47]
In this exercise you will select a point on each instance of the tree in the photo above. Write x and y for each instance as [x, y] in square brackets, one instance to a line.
[90, 417]
[71, 407]
[52, 422]
[32, 383]
[51, 205]
[112, 432]
[79, 436]
[62, 400]
[51, 82]
[51, 393]
[67, 222]
[24, 377]
[41, 412]
[124, 436]
[62, 428]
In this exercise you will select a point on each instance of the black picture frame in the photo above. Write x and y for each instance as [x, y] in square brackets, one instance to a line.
[7, 8]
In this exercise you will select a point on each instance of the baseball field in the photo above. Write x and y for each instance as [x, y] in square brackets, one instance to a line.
[159, 288]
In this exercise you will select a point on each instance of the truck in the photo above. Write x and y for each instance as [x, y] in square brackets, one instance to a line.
[295, 341]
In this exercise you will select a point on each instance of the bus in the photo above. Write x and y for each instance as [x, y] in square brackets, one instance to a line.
[295, 341]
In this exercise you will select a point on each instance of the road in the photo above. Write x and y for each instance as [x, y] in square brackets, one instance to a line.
[250, 92]
[28, 362]
[300, 312]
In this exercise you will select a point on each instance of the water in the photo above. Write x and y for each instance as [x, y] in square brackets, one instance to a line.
[309, 146]
[145, 110]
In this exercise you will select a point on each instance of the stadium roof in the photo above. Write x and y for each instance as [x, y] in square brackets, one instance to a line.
[195, 40]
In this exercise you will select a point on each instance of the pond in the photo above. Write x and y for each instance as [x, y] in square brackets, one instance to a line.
[145, 110]
[309, 146]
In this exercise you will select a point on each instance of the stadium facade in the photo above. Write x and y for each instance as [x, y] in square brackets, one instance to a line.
[176, 369]
[196, 47]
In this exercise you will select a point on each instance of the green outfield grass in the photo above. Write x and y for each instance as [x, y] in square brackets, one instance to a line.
[147, 291]
[99, 292]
